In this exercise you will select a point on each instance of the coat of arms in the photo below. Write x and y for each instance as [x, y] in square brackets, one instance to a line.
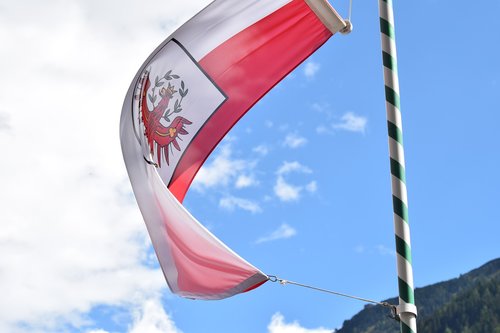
[160, 107]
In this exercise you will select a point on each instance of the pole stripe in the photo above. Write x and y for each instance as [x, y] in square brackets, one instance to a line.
[398, 170]
[387, 28]
[400, 208]
[396, 152]
[401, 228]
[389, 61]
[406, 292]
[388, 45]
[393, 114]
[403, 249]
[395, 132]
[399, 190]
[405, 328]
[404, 266]
[392, 97]
[391, 80]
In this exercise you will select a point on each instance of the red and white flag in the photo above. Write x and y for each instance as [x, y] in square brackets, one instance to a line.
[187, 95]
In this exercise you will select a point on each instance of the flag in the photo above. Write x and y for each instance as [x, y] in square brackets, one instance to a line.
[187, 95]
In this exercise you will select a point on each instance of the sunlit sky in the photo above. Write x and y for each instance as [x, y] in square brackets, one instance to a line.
[300, 187]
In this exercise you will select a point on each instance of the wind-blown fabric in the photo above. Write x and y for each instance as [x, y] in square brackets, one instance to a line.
[187, 95]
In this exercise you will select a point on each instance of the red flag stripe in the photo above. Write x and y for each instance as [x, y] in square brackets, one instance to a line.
[285, 38]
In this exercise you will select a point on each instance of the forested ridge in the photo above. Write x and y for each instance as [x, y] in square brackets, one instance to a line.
[467, 304]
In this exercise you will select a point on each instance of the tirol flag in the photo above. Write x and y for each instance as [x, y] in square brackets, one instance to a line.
[187, 95]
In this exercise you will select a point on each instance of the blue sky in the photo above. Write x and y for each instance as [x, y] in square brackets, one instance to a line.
[300, 187]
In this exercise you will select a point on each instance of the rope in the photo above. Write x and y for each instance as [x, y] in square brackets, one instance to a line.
[283, 282]
[350, 10]
[348, 25]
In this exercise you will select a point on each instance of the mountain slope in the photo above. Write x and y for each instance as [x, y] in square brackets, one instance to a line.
[467, 304]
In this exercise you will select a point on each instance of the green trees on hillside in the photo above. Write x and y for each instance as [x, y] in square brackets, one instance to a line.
[467, 304]
[475, 311]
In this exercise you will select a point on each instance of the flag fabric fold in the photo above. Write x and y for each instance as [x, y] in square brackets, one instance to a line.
[187, 95]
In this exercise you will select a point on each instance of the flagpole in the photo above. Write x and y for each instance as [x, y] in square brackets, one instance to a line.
[407, 310]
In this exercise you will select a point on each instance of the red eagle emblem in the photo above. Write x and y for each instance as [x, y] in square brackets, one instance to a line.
[159, 129]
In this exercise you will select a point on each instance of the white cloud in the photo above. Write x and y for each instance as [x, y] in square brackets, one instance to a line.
[322, 129]
[311, 68]
[386, 251]
[351, 122]
[74, 242]
[278, 325]
[294, 141]
[267, 198]
[359, 249]
[72, 236]
[4, 121]
[283, 232]
[231, 202]
[288, 167]
[222, 171]
[285, 191]
[312, 187]
[261, 149]
[151, 318]
[322, 108]
[244, 181]
[379, 249]
[283, 127]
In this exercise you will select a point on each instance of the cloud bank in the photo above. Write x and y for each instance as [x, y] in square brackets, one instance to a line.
[72, 236]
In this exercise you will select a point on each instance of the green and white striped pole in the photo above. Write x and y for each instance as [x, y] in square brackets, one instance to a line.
[407, 310]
